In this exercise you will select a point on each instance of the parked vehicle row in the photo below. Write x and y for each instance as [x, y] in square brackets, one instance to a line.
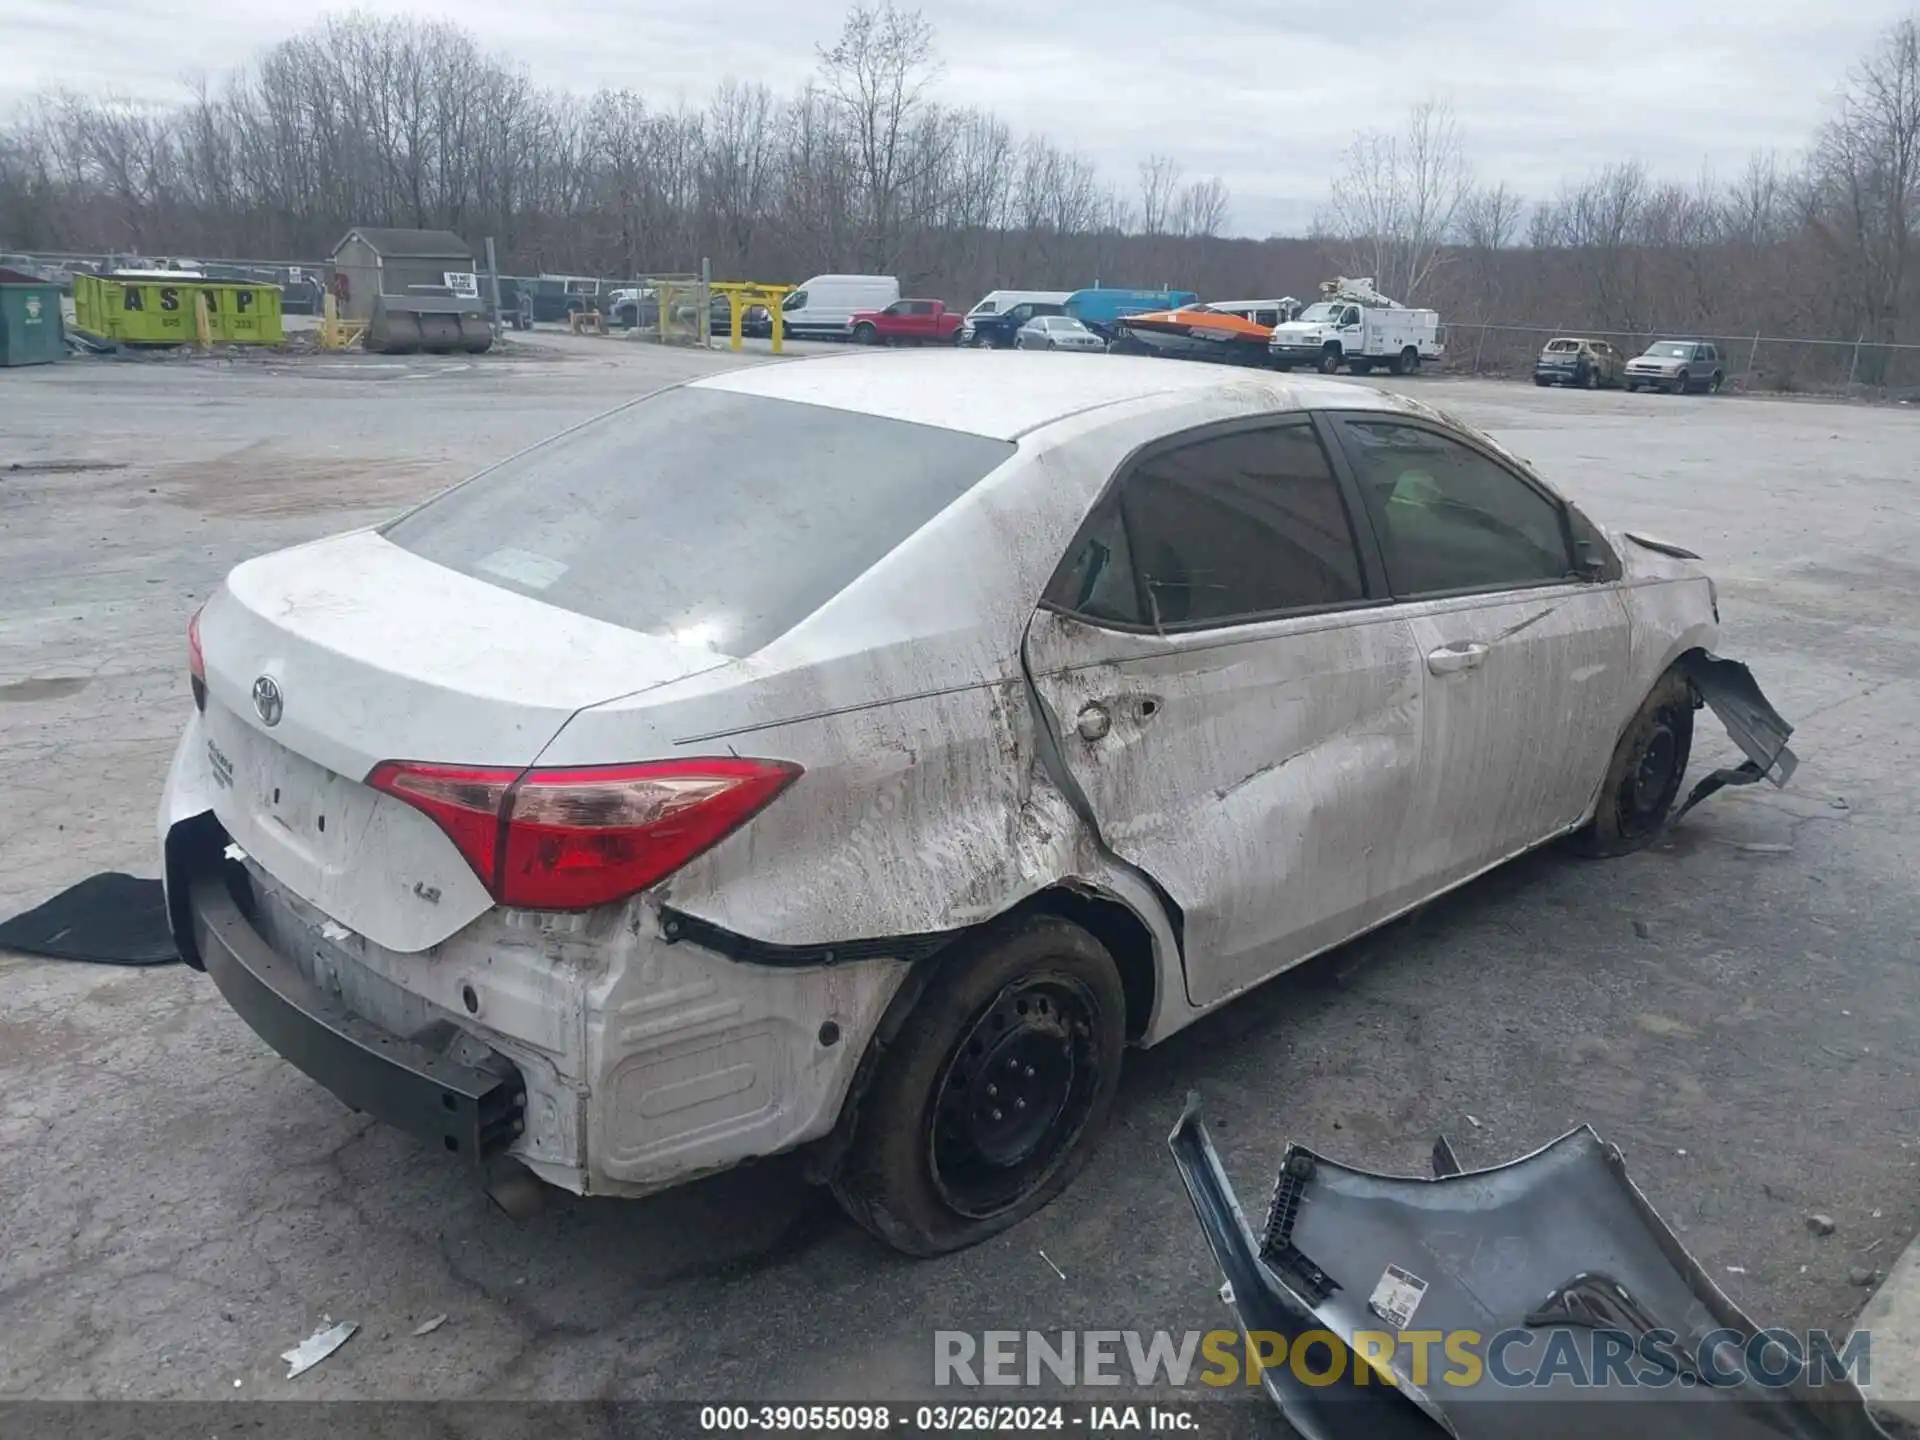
[1353, 327]
[1674, 366]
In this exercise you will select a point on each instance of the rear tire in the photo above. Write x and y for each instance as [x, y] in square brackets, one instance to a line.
[1407, 362]
[1028, 1013]
[1644, 777]
[1713, 385]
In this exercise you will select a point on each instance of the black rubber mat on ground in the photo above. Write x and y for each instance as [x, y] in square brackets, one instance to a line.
[110, 919]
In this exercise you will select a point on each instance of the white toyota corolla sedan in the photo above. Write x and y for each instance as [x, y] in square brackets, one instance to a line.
[869, 783]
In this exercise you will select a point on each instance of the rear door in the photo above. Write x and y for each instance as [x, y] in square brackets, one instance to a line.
[1237, 704]
[1525, 662]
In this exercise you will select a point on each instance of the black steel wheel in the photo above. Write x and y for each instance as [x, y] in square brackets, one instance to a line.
[994, 1093]
[1644, 777]
[1016, 1092]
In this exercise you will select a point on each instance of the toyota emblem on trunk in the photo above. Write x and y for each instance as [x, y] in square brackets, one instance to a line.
[267, 699]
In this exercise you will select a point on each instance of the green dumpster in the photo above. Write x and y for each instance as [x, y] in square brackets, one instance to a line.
[30, 328]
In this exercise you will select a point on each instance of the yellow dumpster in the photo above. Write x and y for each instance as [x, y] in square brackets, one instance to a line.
[146, 311]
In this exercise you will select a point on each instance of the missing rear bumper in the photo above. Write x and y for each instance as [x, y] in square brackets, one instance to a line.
[467, 1110]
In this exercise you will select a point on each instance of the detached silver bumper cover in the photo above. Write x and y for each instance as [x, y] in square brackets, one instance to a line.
[1558, 1250]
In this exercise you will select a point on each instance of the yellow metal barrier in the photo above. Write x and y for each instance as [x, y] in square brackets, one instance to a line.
[162, 312]
[744, 293]
[335, 333]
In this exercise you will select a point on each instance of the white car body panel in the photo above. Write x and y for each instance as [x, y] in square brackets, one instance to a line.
[1514, 747]
[1328, 779]
[1258, 777]
[440, 667]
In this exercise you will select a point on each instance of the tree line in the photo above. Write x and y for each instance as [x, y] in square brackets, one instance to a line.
[376, 121]
[397, 122]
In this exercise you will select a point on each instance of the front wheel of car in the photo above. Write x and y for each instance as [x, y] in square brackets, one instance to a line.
[1682, 383]
[1643, 781]
[865, 335]
[995, 1092]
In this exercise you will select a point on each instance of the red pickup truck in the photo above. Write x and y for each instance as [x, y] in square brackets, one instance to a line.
[907, 322]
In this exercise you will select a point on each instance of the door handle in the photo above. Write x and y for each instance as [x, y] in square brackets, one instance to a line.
[1461, 655]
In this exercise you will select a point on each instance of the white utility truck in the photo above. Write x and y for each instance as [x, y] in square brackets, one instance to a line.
[1354, 326]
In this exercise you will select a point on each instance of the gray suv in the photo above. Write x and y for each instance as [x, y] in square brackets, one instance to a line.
[1677, 366]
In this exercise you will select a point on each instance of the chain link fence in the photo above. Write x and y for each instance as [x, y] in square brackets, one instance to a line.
[1763, 364]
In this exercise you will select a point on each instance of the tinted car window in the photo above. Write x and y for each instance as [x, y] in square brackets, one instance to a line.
[1448, 517]
[640, 519]
[1097, 578]
[1240, 525]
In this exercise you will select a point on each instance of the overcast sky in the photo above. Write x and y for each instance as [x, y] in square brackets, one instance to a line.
[1264, 94]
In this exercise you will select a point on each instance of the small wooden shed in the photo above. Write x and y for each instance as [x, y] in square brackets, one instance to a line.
[377, 261]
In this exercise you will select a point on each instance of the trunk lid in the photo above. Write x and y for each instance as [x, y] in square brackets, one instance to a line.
[325, 660]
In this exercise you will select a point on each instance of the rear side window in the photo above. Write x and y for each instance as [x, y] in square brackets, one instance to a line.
[1241, 525]
[1097, 580]
[718, 519]
[1450, 518]
[1218, 531]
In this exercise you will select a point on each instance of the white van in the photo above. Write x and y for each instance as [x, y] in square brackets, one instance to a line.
[824, 306]
[994, 301]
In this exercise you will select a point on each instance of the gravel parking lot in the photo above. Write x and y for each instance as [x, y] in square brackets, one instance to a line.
[1736, 1009]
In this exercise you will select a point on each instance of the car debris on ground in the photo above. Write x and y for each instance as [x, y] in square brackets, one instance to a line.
[318, 1346]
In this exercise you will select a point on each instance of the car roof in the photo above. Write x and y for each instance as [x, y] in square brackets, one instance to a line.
[1006, 394]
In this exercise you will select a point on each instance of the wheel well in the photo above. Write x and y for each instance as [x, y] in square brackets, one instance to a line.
[1109, 921]
[1124, 934]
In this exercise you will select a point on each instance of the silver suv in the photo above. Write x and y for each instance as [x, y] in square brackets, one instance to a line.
[1677, 366]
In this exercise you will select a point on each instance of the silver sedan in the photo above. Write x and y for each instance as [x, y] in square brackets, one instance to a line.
[1056, 332]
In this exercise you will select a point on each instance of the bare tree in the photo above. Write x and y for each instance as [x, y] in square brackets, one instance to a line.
[1489, 220]
[1200, 211]
[878, 74]
[1159, 193]
[1863, 185]
[1393, 207]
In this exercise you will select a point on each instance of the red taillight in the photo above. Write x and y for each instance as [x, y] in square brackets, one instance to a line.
[196, 662]
[570, 839]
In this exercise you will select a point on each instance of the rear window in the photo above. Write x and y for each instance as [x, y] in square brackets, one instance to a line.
[1562, 347]
[720, 520]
